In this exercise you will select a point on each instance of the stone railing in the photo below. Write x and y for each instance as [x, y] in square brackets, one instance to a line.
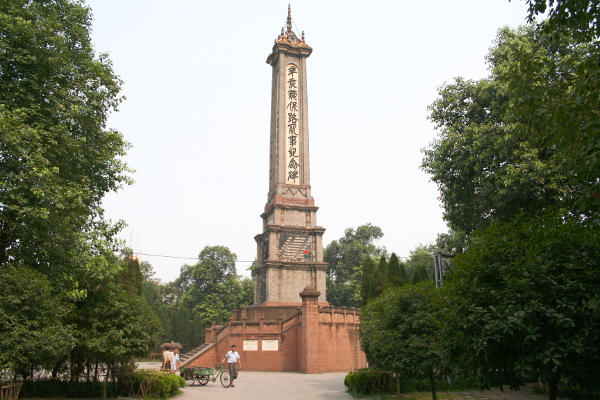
[339, 315]
[216, 333]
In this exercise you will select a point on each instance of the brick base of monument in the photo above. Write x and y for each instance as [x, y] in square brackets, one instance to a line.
[308, 337]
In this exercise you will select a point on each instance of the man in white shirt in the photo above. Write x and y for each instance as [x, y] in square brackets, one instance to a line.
[233, 359]
[176, 362]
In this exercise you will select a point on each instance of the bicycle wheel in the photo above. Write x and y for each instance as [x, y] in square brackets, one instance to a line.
[189, 377]
[203, 380]
[225, 379]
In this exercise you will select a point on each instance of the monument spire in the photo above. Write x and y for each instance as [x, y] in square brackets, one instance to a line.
[290, 249]
[289, 18]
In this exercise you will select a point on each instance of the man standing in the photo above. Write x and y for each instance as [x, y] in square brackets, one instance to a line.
[176, 362]
[167, 359]
[233, 358]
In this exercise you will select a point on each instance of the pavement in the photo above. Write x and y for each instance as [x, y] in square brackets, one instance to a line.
[273, 386]
[252, 385]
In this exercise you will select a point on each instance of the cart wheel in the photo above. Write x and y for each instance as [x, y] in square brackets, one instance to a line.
[203, 380]
[189, 377]
[225, 380]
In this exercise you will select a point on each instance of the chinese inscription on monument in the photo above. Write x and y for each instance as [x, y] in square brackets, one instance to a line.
[293, 115]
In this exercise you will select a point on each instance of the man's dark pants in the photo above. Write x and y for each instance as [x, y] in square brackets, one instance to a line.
[233, 371]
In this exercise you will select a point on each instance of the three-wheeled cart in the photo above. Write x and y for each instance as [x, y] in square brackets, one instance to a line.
[203, 375]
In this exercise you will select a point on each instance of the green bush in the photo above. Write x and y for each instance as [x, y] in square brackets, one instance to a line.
[58, 388]
[159, 385]
[367, 381]
[569, 388]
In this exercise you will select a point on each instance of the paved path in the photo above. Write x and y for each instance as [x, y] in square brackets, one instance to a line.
[297, 386]
[273, 386]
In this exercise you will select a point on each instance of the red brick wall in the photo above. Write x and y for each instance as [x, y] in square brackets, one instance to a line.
[205, 360]
[339, 348]
[327, 342]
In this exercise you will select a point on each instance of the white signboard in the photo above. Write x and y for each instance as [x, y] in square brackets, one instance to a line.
[270, 344]
[250, 344]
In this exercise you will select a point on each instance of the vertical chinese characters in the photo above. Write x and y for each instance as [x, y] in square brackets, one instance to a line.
[293, 115]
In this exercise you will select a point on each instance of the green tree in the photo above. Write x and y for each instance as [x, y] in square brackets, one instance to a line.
[345, 256]
[577, 17]
[483, 161]
[420, 263]
[181, 328]
[32, 323]
[420, 275]
[524, 301]
[131, 276]
[211, 288]
[112, 326]
[399, 331]
[552, 83]
[113, 323]
[368, 287]
[57, 158]
[396, 274]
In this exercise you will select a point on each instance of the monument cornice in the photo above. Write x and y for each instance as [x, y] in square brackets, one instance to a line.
[283, 46]
[291, 207]
[297, 229]
[291, 265]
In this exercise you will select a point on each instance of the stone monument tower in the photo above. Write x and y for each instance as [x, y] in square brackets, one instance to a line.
[290, 249]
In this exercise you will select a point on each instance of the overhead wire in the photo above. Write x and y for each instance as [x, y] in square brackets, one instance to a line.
[195, 258]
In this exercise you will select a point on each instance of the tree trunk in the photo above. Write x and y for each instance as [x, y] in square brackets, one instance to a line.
[432, 383]
[553, 384]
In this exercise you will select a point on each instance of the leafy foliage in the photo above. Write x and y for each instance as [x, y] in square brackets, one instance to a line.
[345, 257]
[420, 263]
[203, 293]
[496, 172]
[368, 382]
[525, 301]
[399, 330]
[57, 160]
[32, 323]
[214, 288]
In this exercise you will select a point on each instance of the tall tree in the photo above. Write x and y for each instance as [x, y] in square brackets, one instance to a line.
[368, 283]
[57, 159]
[211, 288]
[524, 301]
[396, 274]
[580, 18]
[553, 86]
[420, 263]
[483, 161]
[400, 330]
[345, 257]
[32, 322]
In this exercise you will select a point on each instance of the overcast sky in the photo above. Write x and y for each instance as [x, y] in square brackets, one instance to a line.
[198, 111]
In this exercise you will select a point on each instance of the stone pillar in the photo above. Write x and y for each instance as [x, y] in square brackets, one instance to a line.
[309, 359]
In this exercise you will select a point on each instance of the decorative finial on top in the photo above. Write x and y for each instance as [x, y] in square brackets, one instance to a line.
[303, 41]
[289, 18]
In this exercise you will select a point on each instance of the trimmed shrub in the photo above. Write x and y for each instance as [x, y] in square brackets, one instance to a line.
[367, 381]
[371, 381]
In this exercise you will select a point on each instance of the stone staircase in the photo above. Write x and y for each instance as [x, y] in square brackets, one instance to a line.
[192, 354]
[292, 248]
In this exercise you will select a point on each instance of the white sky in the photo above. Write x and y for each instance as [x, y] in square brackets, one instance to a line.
[198, 110]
